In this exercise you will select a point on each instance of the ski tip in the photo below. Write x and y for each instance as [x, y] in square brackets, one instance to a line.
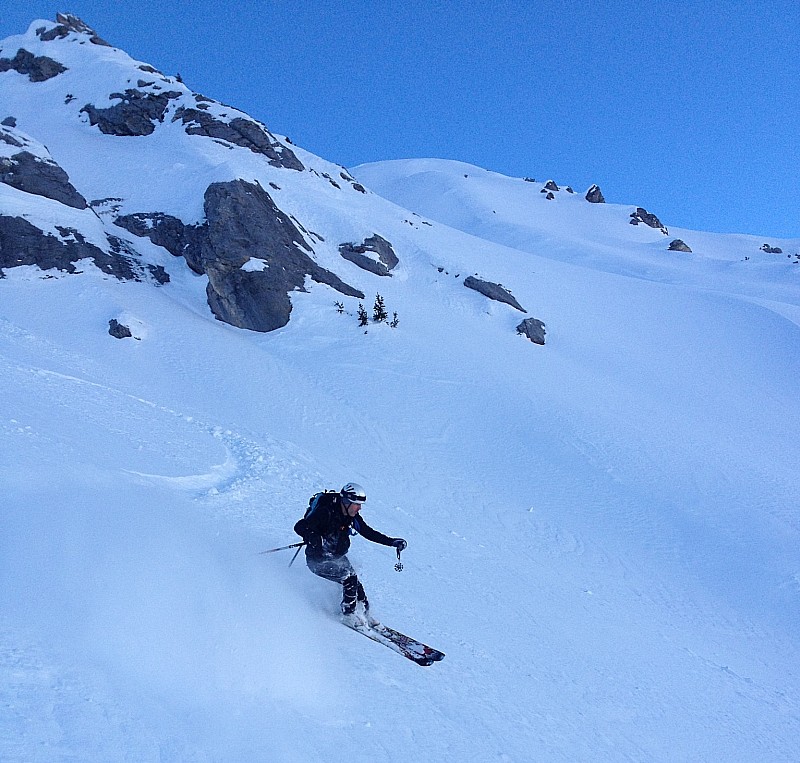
[428, 658]
[428, 661]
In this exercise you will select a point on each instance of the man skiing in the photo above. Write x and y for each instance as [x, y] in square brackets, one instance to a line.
[326, 528]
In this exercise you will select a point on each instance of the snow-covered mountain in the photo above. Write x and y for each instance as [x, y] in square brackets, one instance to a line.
[602, 528]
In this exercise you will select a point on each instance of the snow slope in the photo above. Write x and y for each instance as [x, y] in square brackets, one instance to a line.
[602, 531]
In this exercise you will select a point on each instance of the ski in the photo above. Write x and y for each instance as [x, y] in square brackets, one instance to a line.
[409, 647]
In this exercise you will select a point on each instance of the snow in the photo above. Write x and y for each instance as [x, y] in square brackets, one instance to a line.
[602, 532]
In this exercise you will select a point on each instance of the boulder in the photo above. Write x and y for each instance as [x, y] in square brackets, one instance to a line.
[533, 329]
[493, 291]
[377, 245]
[242, 224]
[771, 249]
[117, 330]
[643, 216]
[247, 299]
[595, 196]
[678, 246]
[551, 186]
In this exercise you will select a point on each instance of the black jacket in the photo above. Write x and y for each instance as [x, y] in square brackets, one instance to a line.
[326, 529]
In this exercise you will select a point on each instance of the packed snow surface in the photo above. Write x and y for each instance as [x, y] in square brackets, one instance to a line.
[603, 531]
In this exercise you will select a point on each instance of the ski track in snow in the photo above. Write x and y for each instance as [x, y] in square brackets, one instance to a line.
[248, 474]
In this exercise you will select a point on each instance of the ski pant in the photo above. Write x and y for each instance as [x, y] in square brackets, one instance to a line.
[339, 570]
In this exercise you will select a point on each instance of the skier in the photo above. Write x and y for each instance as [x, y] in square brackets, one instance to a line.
[326, 528]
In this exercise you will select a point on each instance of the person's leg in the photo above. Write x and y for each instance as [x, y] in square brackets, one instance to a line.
[349, 594]
[339, 570]
[362, 596]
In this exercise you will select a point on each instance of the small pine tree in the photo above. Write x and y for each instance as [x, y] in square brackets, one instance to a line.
[379, 314]
[395, 321]
[339, 307]
[363, 316]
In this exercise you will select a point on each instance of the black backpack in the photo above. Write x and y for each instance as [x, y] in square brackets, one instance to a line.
[313, 502]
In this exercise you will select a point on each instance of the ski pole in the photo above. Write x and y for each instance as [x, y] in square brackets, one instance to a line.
[296, 553]
[399, 566]
[283, 548]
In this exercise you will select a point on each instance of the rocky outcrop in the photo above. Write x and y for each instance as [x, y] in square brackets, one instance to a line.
[595, 196]
[378, 247]
[22, 243]
[493, 291]
[240, 132]
[37, 68]
[67, 23]
[137, 113]
[252, 253]
[166, 231]
[679, 246]
[550, 186]
[42, 177]
[8, 139]
[242, 222]
[533, 329]
[771, 249]
[123, 250]
[643, 216]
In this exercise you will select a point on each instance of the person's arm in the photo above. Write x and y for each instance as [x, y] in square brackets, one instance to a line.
[362, 528]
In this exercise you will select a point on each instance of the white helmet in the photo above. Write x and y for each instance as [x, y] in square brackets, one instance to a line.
[352, 492]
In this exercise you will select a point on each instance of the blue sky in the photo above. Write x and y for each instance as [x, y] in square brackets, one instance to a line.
[688, 109]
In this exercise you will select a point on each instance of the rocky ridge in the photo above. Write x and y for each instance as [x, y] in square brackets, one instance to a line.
[28, 170]
[253, 253]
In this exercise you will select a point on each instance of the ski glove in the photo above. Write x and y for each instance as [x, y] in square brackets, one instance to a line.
[399, 544]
